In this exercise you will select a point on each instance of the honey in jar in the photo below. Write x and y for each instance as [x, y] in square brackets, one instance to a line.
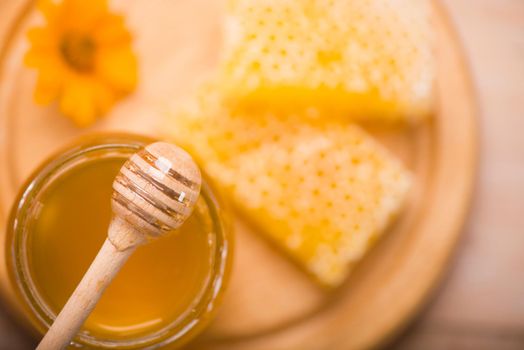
[163, 295]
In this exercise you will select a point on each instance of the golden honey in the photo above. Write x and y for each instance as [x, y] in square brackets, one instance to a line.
[163, 295]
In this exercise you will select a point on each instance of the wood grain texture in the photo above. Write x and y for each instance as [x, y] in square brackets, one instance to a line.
[273, 305]
[480, 305]
[154, 192]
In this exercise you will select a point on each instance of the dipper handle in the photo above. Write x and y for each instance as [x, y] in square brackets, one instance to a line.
[154, 193]
[104, 268]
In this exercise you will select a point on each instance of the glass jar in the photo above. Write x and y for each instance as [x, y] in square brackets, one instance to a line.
[24, 258]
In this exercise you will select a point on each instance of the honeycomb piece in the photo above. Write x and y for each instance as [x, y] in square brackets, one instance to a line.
[370, 60]
[322, 191]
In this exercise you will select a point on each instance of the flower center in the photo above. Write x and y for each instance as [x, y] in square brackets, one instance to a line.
[78, 50]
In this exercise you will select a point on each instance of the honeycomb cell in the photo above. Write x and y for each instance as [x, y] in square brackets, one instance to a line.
[321, 190]
[369, 60]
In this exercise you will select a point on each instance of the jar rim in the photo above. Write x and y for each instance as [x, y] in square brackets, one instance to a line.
[178, 331]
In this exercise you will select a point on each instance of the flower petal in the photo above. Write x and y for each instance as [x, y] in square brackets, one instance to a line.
[104, 97]
[44, 60]
[49, 8]
[118, 67]
[42, 37]
[44, 56]
[48, 87]
[83, 15]
[112, 31]
[83, 95]
[78, 102]
[33, 57]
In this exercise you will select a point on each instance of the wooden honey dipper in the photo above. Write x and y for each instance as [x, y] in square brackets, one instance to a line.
[154, 193]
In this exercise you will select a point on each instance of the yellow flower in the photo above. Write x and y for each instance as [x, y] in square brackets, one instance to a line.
[83, 56]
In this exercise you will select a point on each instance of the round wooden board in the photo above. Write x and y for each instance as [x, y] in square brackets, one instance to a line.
[270, 304]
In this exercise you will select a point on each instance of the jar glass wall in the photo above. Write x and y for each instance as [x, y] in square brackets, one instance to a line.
[164, 295]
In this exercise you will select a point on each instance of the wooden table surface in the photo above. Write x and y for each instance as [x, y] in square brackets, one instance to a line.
[480, 304]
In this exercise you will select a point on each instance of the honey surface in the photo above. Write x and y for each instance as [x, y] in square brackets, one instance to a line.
[157, 284]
